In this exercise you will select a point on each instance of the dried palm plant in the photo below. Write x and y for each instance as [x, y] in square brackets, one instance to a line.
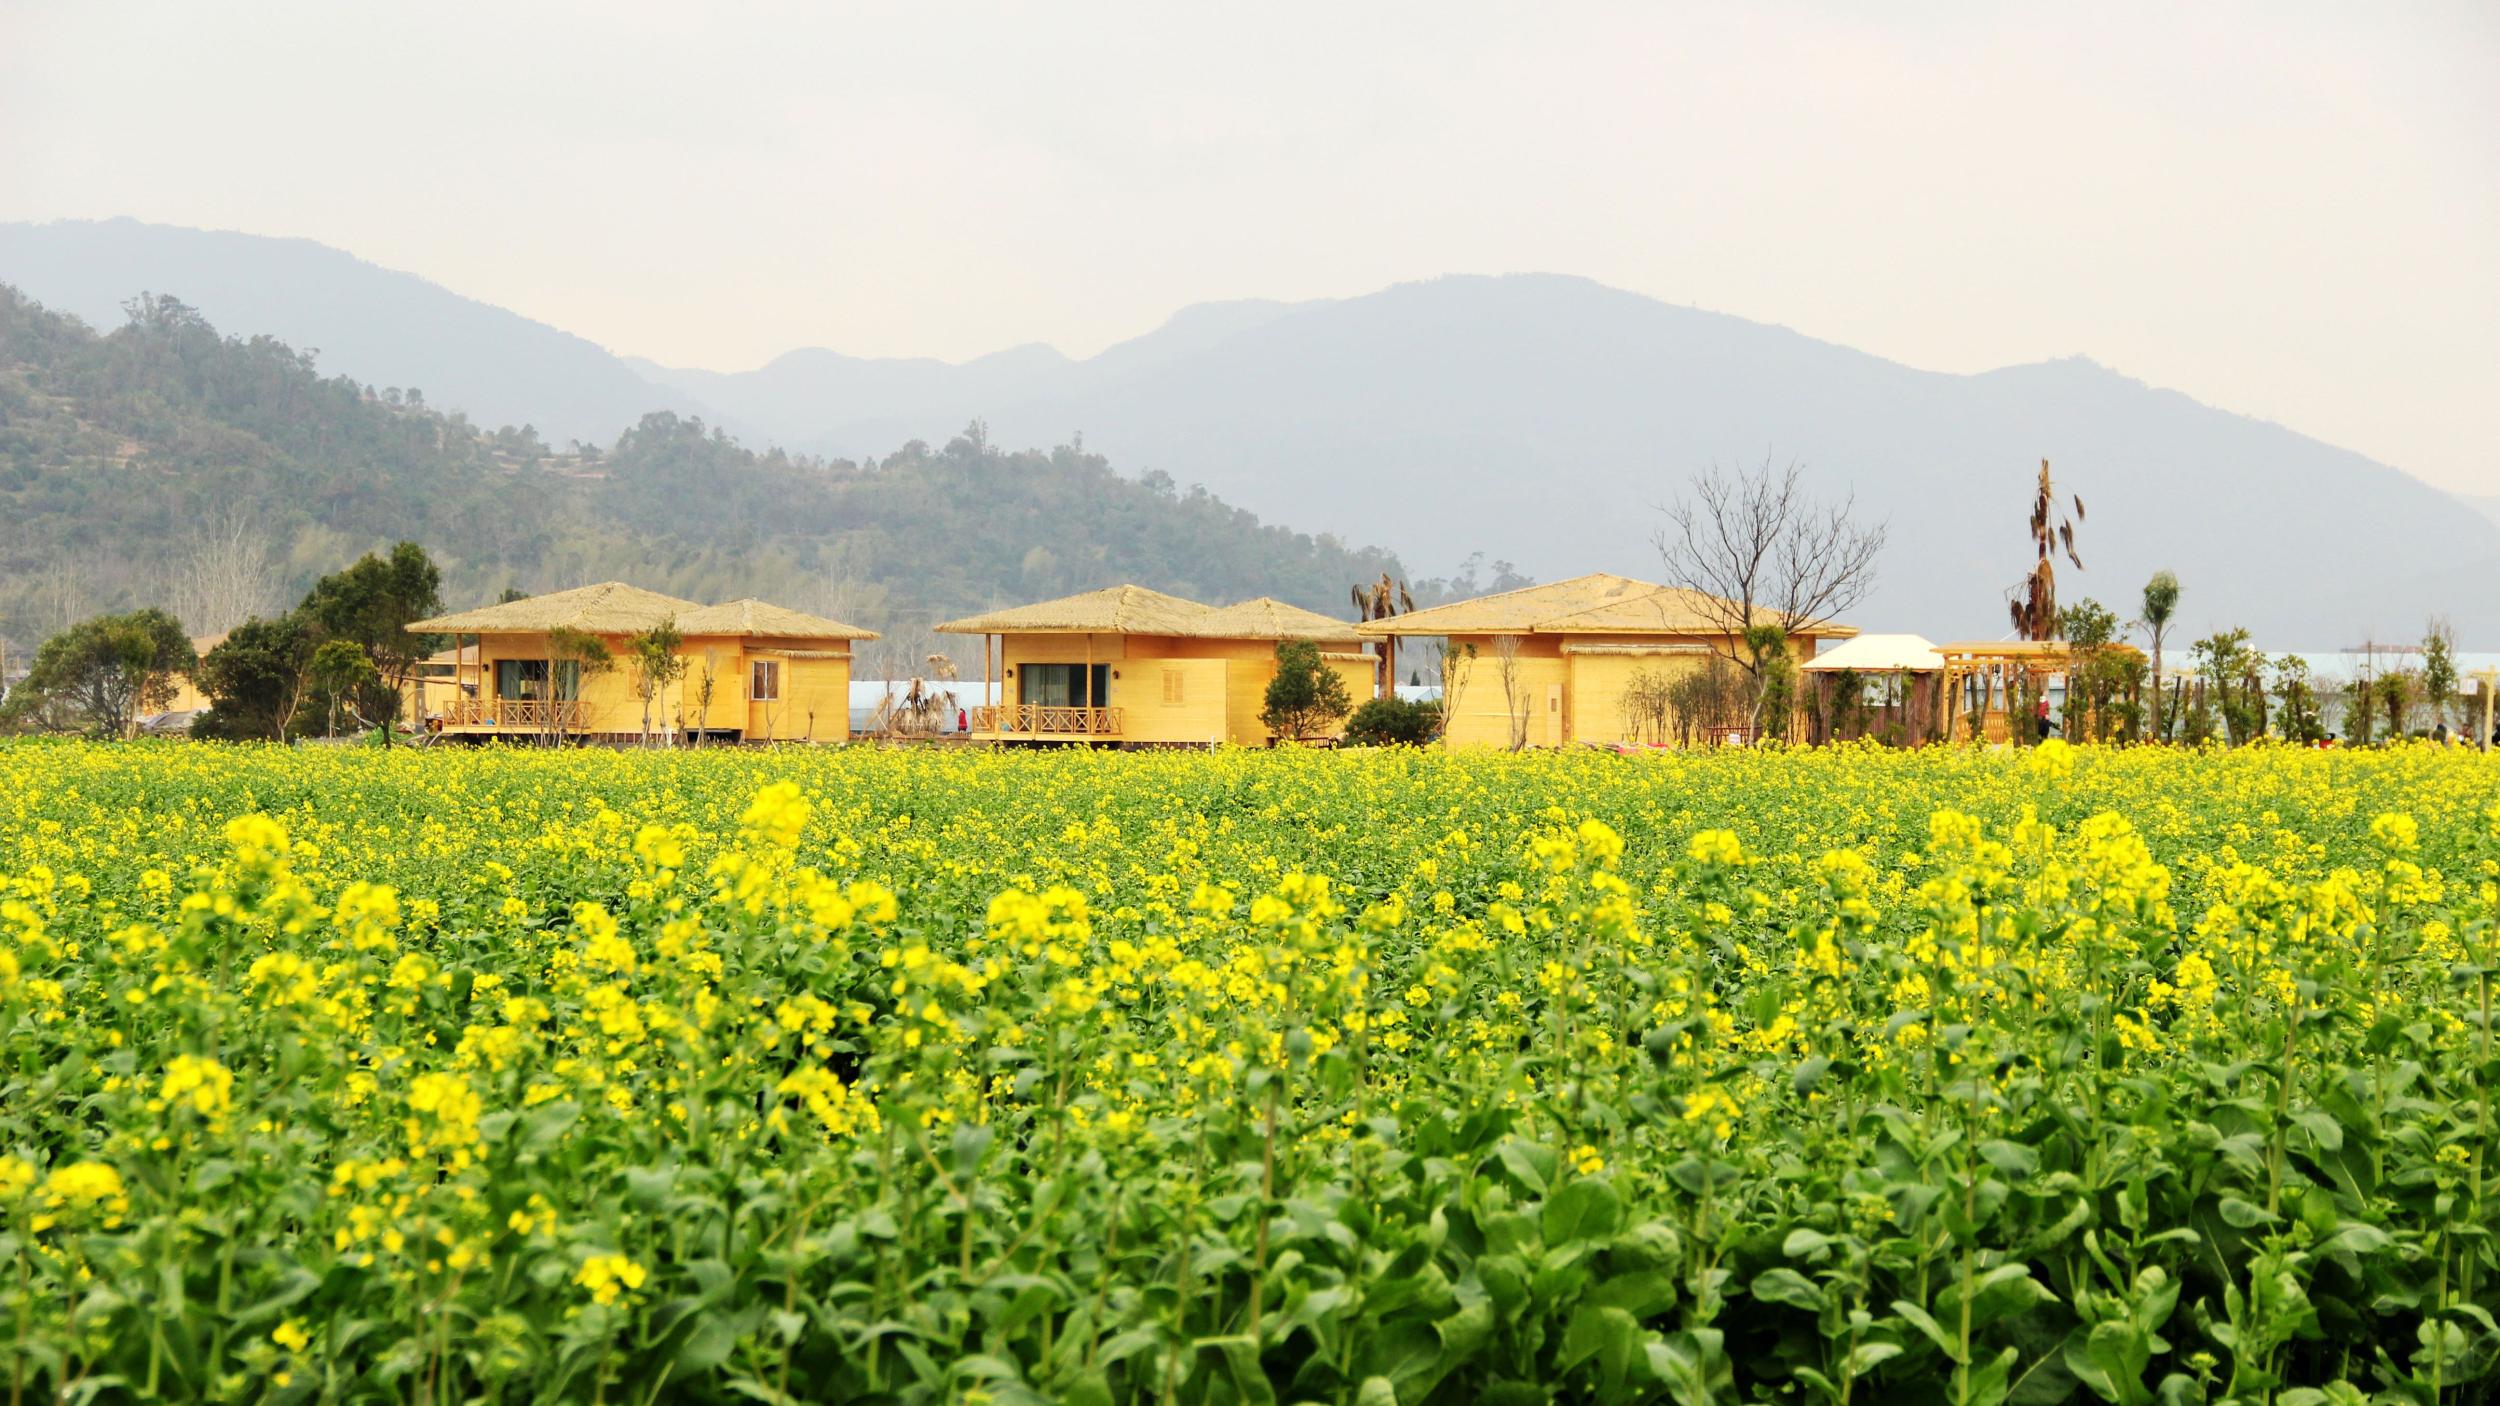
[1381, 600]
[2033, 607]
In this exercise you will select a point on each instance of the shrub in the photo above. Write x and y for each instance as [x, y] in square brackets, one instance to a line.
[1394, 722]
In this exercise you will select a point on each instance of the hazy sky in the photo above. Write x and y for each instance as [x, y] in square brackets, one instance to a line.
[2291, 210]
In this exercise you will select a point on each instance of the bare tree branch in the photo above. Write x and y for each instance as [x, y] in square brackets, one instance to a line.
[1757, 550]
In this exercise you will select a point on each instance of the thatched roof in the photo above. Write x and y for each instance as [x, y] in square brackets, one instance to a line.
[609, 608]
[1113, 610]
[755, 617]
[1268, 618]
[1596, 604]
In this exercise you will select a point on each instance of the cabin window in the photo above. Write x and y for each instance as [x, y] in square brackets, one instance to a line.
[1063, 685]
[1172, 687]
[528, 678]
[764, 680]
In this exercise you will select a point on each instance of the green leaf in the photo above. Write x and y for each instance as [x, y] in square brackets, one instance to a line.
[1986, 1385]
[2322, 1129]
[1928, 1328]
[1611, 1336]
[2359, 1237]
[1241, 1361]
[970, 1144]
[1804, 1244]
[1866, 1357]
[1463, 1334]
[1531, 1165]
[2012, 1159]
[1809, 1075]
[714, 1338]
[1586, 1208]
[2110, 1359]
[2002, 1292]
[1787, 1286]
[2244, 1214]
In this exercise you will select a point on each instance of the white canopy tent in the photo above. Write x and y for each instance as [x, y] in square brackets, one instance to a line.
[1877, 654]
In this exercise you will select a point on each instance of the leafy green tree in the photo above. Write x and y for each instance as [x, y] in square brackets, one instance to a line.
[1306, 695]
[2360, 710]
[370, 605]
[2296, 714]
[107, 671]
[2394, 692]
[1775, 671]
[2233, 674]
[2161, 603]
[1394, 722]
[2101, 679]
[653, 657]
[258, 678]
[2439, 671]
[343, 673]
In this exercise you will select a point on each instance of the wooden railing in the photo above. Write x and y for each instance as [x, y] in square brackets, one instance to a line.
[518, 714]
[1046, 720]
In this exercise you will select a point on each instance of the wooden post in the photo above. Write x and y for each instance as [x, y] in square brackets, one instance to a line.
[1089, 683]
[985, 676]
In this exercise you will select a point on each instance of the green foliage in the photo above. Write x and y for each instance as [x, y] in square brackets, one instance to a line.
[920, 1075]
[258, 679]
[106, 672]
[113, 448]
[2103, 684]
[2439, 672]
[2394, 692]
[369, 606]
[1394, 722]
[1775, 678]
[2296, 713]
[656, 664]
[343, 677]
[2232, 674]
[1306, 696]
[2161, 602]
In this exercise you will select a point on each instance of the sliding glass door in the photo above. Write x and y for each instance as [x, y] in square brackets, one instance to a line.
[1064, 685]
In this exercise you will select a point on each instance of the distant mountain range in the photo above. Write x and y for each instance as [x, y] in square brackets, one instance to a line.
[1539, 419]
[384, 328]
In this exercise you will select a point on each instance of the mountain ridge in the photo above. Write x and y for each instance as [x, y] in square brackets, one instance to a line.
[1543, 418]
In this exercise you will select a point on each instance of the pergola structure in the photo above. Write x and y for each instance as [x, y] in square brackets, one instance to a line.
[1989, 677]
[1903, 673]
[2488, 683]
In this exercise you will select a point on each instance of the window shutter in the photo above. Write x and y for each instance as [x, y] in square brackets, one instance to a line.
[1172, 687]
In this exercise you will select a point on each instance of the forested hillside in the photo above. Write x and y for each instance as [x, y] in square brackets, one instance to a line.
[164, 463]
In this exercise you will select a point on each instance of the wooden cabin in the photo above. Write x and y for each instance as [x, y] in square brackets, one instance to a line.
[1129, 666]
[755, 672]
[1573, 661]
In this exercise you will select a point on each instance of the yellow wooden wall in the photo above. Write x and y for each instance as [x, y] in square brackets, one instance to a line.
[815, 703]
[1482, 716]
[821, 686]
[727, 658]
[1597, 685]
[612, 706]
[1222, 683]
[1568, 698]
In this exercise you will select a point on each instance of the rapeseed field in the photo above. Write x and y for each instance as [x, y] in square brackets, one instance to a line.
[910, 1076]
